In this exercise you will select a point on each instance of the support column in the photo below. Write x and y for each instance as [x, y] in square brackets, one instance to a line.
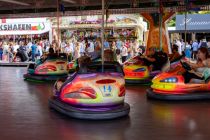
[50, 35]
[193, 36]
[58, 22]
[102, 35]
[154, 35]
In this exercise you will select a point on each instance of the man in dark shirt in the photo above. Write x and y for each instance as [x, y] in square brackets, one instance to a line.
[156, 59]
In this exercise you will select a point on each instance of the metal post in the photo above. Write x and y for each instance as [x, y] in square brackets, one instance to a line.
[58, 23]
[185, 28]
[160, 31]
[102, 36]
[160, 25]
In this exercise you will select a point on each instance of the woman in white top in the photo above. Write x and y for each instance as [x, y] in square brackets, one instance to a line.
[77, 51]
[202, 63]
[39, 51]
[68, 50]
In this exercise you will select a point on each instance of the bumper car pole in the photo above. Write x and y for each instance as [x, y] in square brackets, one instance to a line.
[102, 36]
[160, 22]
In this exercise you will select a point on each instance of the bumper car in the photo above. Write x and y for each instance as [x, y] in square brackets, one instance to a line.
[51, 68]
[137, 70]
[171, 86]
[92, 94]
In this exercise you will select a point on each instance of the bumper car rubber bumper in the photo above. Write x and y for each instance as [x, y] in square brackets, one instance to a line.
[178, 97]
[137, 81]
[44, 77]
[75, 112]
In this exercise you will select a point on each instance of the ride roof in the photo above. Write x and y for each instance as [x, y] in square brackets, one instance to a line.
[47, 8]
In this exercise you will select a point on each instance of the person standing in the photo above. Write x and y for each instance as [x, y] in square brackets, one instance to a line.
[15, 47]
[195, 49]
[68, 50]
[179, 44]
[90, 49]
[204, 43]
[10, 54]
[98, 47]
[119, 44]
[188, 50]
[113, 46]
[5, 51]
[82, 47]
[23, 51]
[183, 45]
[1, 51]
[77, 51]
[127, 44]
[124, 53]
[106, 45]
[39, 51]
[72, 46]
[33, 50]
[63, 45]
[199, 45]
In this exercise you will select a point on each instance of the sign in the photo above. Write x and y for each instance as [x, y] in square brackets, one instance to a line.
[125, 20]
[193, 22]
[24, 26]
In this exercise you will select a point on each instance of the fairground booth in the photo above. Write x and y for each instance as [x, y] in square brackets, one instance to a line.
[123, 27]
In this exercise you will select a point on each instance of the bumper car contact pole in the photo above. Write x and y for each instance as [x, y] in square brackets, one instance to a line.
[160, 25]
[58, 22]
[102, 37]
[185, 25]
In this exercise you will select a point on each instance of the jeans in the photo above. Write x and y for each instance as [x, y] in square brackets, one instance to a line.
[33, 57]
[1, 55]
[188, 76]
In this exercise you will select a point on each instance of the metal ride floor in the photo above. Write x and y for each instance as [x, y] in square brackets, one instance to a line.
[24, 115]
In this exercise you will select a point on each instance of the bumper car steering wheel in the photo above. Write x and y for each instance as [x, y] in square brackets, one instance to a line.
[186, 66]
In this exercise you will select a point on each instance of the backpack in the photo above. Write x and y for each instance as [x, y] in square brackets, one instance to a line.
[204, 44]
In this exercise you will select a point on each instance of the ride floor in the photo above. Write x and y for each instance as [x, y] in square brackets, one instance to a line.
[24, 115]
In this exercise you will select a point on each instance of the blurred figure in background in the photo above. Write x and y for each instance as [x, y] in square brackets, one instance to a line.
[33, 50]
[1, 51]
[124, 53]
[179, 44]
[188, 50]
[194, 49]
[175, 54]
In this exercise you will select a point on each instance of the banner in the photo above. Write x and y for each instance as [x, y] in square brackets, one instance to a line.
[24, 26]
[193, 22]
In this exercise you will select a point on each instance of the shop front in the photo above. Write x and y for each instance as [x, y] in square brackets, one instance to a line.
[197, 27]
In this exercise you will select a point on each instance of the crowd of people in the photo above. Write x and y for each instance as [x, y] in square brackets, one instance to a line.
[12, 51]
[123, 49]
[191, 48]
[31, 51]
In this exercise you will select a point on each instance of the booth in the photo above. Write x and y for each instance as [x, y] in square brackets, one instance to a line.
[124, 27]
